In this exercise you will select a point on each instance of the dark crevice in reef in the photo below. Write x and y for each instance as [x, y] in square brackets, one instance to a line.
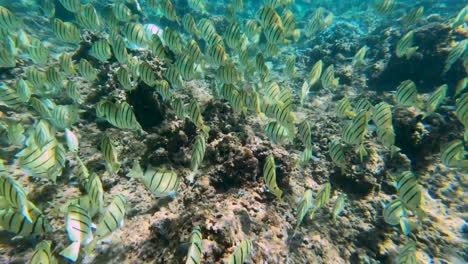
[149, 110]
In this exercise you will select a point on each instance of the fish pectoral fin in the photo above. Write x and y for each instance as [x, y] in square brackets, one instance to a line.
[71, 252]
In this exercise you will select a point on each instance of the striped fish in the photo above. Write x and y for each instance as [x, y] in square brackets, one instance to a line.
[233, 36]
[43, 254]
[394, 212]
[289, 22]
[274, 34]
[38, 53]
[119, 50]
[23, 89]
[64, 116]
[147, 74]
[407, 94]
[251, 29]
[15, 222]
[304, 133]
[113, 217]
[173, 76]
[185, 66]
[355, 132]
[267, 16]
[306, 155]
[329, 82]
[15, 196]
[338, 206]
[228, 74]
[82, 173]
[344, 109]
[336, 152]
[101, 50]
[78, 225]
[7, 59]
[384, 7]
[157, 47]
[197, 5]
[455, 54]
[278, 134]
[269, 176]
[88, 18]
[198, 152]
[195, 115]
[45, 161]
[86, 70]
[73, 6]
[364, 105]
[303, 207]
[9, 97]
[452, 153]
[407, 254]
[120, 115]
[359, 57]
[71, 140]
[272, 92]
[110, 155]
[461, 17]
[15, 133]
[241, 253]
[436, 99]
[238, 5]
[405, 46]
[73, 93]
[40, 107]
[412, 16]
[172, 39]
[42, 133]
[159, 182]
[168, 10]
[409, 191]
[386, 135]
[95, 195]
[122, 12]
[290, 68]
[206, 27]
[194, 51]
[322, 196]
[163, 89]
[54, 77]
[35, 77]
[66, 31]
[217, 55]
[196, 246]
[190, 26]
[66, 64]
[124, 79]
[382, 115]
[135, 34]
[8, 20]
[178, 108]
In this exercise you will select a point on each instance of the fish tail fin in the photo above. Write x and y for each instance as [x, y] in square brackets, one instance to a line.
[136, 172]
[71, 252]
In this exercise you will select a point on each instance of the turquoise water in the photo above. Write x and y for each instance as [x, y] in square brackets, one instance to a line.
[274, 131]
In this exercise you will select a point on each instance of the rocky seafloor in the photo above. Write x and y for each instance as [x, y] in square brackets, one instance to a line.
[228, 198]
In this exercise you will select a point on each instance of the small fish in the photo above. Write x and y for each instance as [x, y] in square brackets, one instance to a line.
[66, 64]
[82, 173]
[38, 53]
[338, 206]
[322, 196]
[15, 133]
[172, 40]
[306, 155]
[163, 88]
[289, 22]
[461, 17]
[40, 107]
[195, 52]
[159, 182]
[195, 115]
[384, 7]
[15, 222]
[409, 191]
[405, 46]
[173, 76]
[135, 34]
[190, 26]
[73, 93]
[304, 133]
[43, 254]
[66, 31]
[86, 70]
[413, 16]
[113, 217]
[168, 10]
[252, 30]
[54, 77]
[197, 5]
[290, 68]
[95, 195]
[8, 20]
[198, 152]
[336, 152]
[89, 18]
[364, 105]
[186, 67]
[207, 28]
[452, 153]
[382, 115]
[122, 12]
[110, 155]
[78, 225]
[157, 47]
[228, 74]
[303, 207]
[407, 94]
[455, 54]
[436, 98]
[178, 108]
[72, 140]
[329, 82]
[194, 254]
[269, 177]
[278, 133]
[119, 50]
[394, 212]
[64, 116]
[386, 135]
[120, 115]
[101, 50]
[73, 6]
[147, 74]
[407, 254]
[267, 16]
[355, 132]
[234, 36]
[41, 133]
[274, 34]
[35, 77]
[359, 57]
[304, 91]
[15, 196]
[241, 253]
[217, 55]
[344, 109]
